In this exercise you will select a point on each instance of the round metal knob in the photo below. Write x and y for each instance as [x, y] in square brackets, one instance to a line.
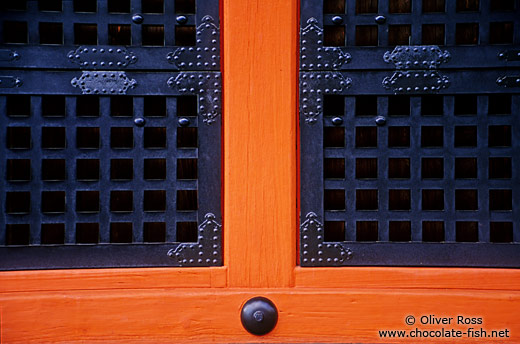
[183, 122]
[140, 122]
[259, 316]
[181, 19]
[337, 121]
[380, 120]
[137, 18]
[337, 20]
[380, 19]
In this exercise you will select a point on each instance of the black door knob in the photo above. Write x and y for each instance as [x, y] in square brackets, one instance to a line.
[259, 316]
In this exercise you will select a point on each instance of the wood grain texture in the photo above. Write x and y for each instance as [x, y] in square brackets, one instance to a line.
[408, 278]
[212, 315]
[100, 279]
[188, 305]
[260, 74]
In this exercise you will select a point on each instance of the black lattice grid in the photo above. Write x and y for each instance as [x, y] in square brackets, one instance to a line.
[107, 169]
[94, 22]
[427, 22]
[67, 34]
[457, 170]
[408, 153]
[125, 174]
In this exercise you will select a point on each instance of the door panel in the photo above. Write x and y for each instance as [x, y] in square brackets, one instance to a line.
[407, 150]
[111, 113]
[260, 171]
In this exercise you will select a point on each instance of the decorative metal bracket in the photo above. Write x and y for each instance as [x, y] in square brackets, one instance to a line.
[314, 56]
[416, 81]
[207, 251]
[101, 57]
[509, 81]
[8, 55]
[313, 85]
[314, 250]
[10, 82]
[509, 55]
[417, 57]
[206, 86]
[103, 82]
[205, 55]
[416, 69]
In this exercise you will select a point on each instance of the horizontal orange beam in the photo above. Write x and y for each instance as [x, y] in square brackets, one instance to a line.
[203, 315]
[101, 279]
[408, 278]
[215, 277]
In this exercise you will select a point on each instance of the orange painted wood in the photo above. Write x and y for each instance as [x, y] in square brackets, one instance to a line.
[177, 305]
[100, 279]
[260, 73]
[358, 277]
[408, 278]
[212, 315]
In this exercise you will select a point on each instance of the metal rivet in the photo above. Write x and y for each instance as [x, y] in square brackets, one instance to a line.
[337, 20]
[380, 20]
[137, 18]
[183, 121]
[380, 120]
[181, 19]
[259, 316]
[140, 122]
[337, 121]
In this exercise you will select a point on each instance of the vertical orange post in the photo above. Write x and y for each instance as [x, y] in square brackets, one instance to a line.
[260, 73]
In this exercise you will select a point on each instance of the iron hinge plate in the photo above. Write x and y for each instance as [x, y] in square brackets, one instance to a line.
[509, 81]
[314, 55]
[509, 55]
[10, 82]
[103, 82]
[205, 252]
[8, 55]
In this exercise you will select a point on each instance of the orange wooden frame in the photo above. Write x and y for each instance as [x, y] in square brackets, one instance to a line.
[199, 305]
